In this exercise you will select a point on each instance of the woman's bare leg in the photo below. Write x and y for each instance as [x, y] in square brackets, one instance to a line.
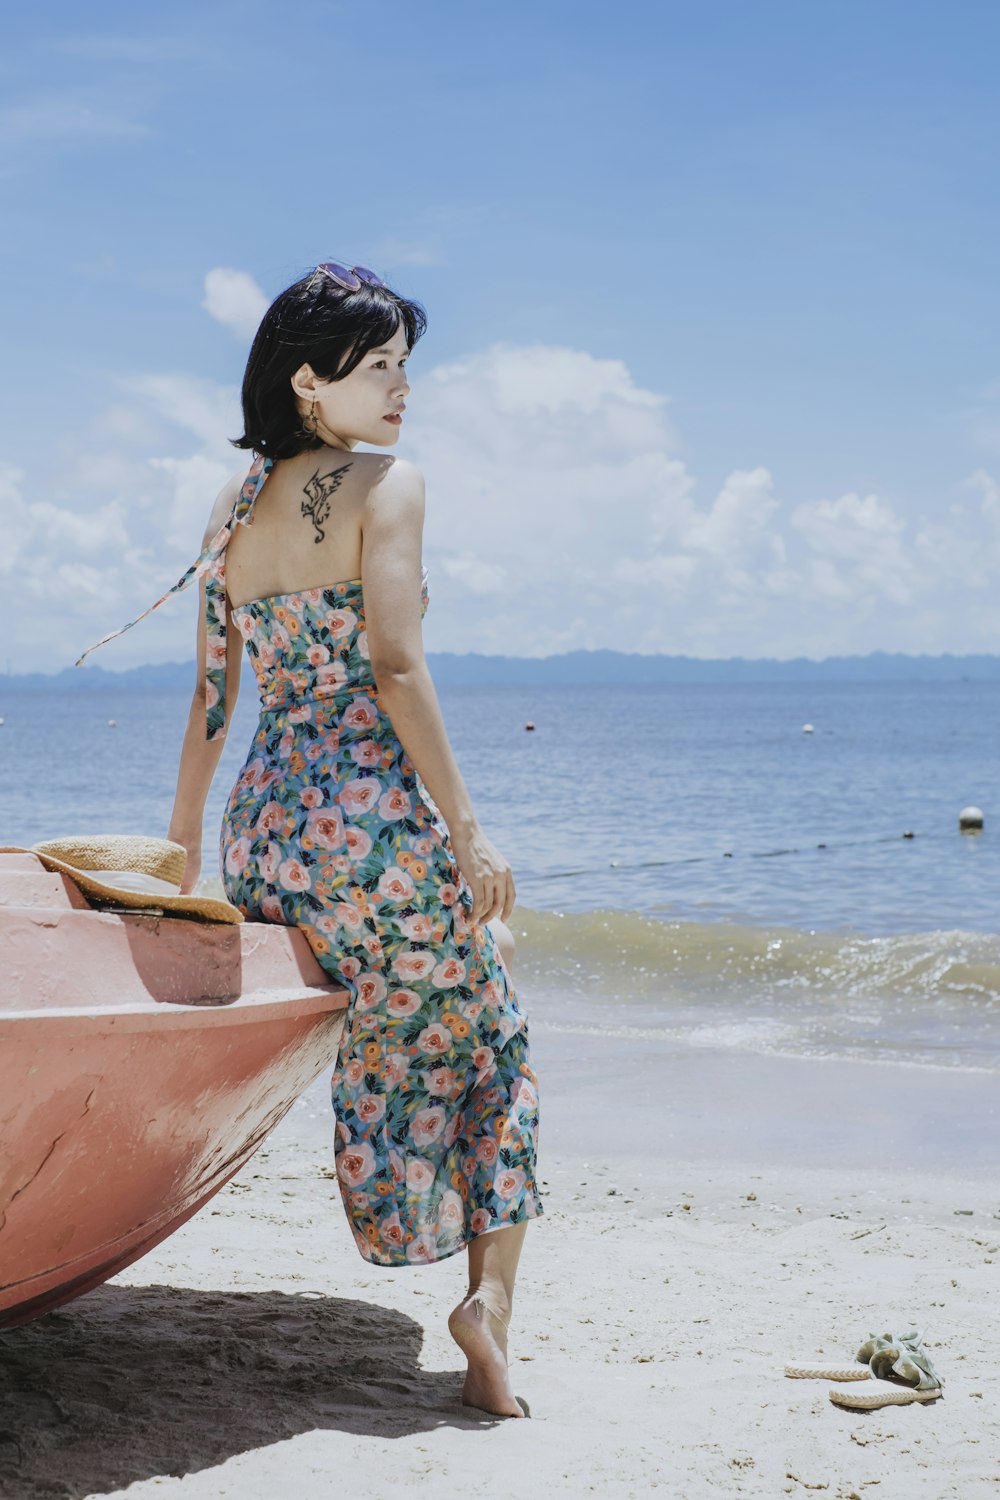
[478, 1323]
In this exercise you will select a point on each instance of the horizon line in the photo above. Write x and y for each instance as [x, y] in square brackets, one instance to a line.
[555, 657]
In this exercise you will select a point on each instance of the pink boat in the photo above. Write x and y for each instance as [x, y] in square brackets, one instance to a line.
[143, 1059]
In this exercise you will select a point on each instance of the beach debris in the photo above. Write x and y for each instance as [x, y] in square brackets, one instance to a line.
[970, 819]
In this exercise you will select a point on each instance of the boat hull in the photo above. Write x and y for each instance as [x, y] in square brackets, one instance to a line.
[143, 1060]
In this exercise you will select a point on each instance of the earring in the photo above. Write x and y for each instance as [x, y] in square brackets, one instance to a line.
[309, 423]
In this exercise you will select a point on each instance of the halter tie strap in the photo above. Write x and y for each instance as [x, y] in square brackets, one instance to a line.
[211, 565]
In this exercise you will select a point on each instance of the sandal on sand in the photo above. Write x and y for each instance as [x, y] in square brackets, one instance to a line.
[810, 1369]
[900, 1364]
[881, 1393]
[902, 1356]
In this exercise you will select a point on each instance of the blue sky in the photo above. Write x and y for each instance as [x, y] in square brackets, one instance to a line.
[712, 362]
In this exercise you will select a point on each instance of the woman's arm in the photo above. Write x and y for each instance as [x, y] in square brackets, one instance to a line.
[200, 756]
[390, 568]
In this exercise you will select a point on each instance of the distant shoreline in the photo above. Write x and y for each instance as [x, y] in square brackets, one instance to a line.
[582, 668]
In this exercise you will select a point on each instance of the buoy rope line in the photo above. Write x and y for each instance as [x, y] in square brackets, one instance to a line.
[695, 859]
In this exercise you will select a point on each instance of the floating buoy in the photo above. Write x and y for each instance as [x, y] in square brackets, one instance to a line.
[807, 729]
[529, 725]
[112, 723]
[970, 819]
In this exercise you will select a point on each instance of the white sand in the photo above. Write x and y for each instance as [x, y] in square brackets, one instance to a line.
[256, 1355]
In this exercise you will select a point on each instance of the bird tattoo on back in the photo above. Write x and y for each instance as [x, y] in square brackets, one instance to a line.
[318, 504]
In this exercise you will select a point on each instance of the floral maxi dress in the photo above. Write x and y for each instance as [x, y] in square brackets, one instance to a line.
[329, 829]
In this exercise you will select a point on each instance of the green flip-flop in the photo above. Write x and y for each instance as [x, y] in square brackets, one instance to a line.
[893, 1370]
[901, 1356]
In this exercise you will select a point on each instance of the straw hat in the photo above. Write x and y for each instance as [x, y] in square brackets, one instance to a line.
[129, 870]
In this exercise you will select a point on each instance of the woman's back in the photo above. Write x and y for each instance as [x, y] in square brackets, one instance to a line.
[308, 523]
[308, 641]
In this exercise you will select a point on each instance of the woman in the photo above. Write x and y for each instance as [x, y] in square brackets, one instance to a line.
[350, 819]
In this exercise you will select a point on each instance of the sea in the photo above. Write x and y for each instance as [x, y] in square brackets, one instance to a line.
[760, 867]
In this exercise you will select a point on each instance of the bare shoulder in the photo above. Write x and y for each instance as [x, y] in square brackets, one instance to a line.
[224, 502]
[397, 485]
[393, 519]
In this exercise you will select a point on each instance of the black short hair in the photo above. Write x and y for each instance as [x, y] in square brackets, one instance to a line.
[313, 321]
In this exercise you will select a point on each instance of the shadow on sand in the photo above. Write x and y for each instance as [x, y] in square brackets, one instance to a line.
[133, 1382]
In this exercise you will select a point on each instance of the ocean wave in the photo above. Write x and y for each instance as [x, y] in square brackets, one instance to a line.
[925, 1000]
[633, 956]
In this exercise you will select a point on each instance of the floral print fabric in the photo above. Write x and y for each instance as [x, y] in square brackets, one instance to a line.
[329, 829]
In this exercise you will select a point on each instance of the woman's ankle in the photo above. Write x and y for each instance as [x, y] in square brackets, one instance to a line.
[494, 1293]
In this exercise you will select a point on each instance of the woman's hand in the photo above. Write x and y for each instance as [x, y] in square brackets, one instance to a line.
[487, 873]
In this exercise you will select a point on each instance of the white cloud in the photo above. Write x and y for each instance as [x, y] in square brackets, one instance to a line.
[560, 515]
[989, 490]
[524, 443]
[234, 299]
[735, 524]
[208, 412]
[125, 424]
[59, 117]
[477, 574]
[866, 537]
[64, 569]
[668, 570]
[195, 480]
[557, 467]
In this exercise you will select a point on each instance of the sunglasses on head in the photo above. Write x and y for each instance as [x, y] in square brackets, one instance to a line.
[350, 278]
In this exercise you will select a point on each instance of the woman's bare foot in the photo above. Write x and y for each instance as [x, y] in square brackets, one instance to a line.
[479, 1330]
